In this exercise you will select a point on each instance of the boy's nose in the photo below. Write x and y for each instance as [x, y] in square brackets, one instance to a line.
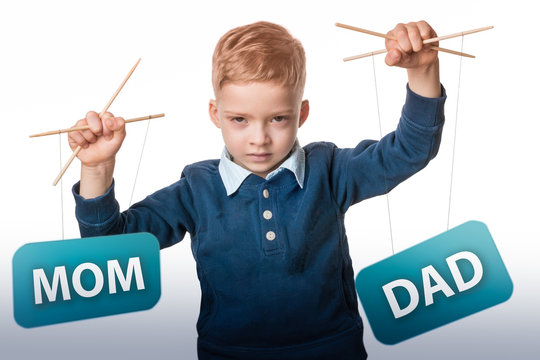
[259, 135]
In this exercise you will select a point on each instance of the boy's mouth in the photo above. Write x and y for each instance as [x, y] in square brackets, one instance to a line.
[259, 156]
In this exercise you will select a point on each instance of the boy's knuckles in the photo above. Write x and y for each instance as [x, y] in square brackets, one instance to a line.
[91, 113]
[108, 125]
[416, 42]
[81, 122]
[403, 40]
[78, 139]
[92, 129]
[405, 45]
[106, 130]
[393, 57]
[89, 137]
[426, 31]
[121, 122]
[107, 115]
[400, 28]
[95, 129]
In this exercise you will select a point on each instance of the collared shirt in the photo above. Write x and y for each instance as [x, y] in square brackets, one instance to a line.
[233, 175]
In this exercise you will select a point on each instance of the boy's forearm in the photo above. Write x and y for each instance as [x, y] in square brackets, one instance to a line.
[96, 180]
[425, 81]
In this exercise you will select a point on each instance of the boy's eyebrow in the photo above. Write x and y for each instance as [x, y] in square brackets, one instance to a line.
[274, 113]
[235, 113]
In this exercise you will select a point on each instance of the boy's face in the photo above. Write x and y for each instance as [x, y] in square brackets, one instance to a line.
[259, 122]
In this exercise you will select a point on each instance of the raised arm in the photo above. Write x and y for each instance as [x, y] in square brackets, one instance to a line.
[162, 213]
[375, 167]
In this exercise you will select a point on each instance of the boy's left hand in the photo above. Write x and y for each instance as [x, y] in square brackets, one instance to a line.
[408, 51]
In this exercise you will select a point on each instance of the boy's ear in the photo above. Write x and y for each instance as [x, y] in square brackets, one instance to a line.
[212, 110]
[304, 112]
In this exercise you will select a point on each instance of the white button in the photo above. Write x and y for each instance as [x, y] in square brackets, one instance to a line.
[266, 194]
[270, 235]
[267, 214]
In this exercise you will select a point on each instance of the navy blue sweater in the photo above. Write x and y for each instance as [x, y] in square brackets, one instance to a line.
[291, 296]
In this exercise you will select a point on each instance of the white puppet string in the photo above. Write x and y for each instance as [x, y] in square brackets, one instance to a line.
[453, 147]
[139, 164]
[384, 169]
[455, 136]
[61, 185]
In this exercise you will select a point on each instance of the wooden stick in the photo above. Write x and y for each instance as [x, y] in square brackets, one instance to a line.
[372, 53]
[453, 52]
[78, 149]
[354, 28]
[119, 88]
[85, 127]
[384, 50]
[427, 41]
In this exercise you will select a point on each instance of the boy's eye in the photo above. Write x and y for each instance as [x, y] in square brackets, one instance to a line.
[239, 120]
[279, 118]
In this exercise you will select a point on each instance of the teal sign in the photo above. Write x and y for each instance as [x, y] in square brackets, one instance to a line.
[67, 280]
[440, 280]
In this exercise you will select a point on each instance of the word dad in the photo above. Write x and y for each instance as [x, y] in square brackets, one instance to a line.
[59, 281]
[440, 280]
[429, 274]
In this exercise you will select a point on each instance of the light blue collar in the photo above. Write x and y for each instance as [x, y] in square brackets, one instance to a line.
[233, 175]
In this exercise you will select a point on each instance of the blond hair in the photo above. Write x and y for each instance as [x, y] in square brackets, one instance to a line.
[261, 51]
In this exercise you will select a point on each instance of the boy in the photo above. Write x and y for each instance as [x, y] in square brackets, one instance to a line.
[267, 220]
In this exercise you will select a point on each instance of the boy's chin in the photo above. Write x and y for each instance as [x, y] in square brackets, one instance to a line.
[262, 170]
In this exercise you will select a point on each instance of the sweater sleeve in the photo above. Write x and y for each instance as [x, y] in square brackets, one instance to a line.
[375, 167]
[164, 214]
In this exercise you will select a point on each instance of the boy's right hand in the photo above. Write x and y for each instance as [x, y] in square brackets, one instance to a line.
[101, 142]
[99, 146]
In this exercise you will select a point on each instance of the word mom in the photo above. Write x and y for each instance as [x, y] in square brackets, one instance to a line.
[430, 276]
[69, 280]
[60, 277]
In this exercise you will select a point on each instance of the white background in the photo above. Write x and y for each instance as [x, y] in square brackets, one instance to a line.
[62, 58]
